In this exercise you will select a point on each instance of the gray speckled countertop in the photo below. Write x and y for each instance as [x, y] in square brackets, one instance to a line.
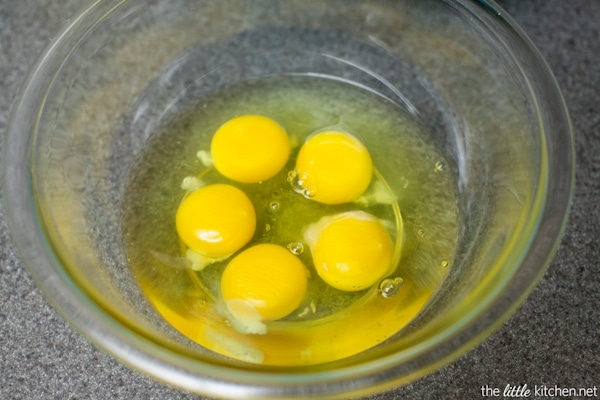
[553, 339]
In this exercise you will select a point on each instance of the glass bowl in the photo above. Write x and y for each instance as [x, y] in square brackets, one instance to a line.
[461, 70]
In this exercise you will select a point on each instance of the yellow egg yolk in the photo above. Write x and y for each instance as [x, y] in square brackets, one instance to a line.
[351, 251]
[263, 283]
[216, 220]
[333, 167]
[250, 148]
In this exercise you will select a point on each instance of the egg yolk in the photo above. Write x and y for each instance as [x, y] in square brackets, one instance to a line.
[216, 220]
[351, 251]
[250, 148]
[263, 283]
[334, 167]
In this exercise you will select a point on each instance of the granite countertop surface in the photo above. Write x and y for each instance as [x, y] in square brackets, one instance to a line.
[552, 339]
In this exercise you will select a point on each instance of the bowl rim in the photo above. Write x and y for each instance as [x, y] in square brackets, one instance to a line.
[144, 355]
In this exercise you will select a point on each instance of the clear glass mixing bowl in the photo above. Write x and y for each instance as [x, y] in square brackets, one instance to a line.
[121, 68]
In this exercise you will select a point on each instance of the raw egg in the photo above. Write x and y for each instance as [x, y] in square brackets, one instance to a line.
[333, 167]
[250, 148]
[351, 251]
[216, 220]
[263, 283]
